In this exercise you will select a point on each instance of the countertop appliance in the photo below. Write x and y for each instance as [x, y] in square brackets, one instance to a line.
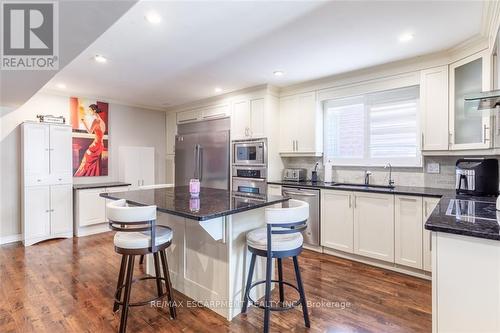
[202, 151]
[294, 174]
[311, 196]
[477, 176]
[250, 152]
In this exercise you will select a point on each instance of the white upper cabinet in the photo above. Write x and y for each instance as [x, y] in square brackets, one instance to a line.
[301, 125]
[248, 119]
[188, 116]
[61, 165]
[408, 231]
[215, 112]
[469, 128]
[171, 127]
[434, 108]
[36, 138]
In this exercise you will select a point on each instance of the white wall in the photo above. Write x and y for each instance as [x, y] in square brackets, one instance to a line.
[128, 126]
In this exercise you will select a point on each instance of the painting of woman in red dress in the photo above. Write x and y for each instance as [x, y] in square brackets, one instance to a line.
[90, 144]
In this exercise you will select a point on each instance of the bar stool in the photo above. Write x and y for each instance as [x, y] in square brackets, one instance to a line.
[138, 235]
[283, 232]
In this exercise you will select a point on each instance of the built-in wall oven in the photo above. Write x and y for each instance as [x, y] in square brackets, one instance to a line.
[249, 172]
[250, 152]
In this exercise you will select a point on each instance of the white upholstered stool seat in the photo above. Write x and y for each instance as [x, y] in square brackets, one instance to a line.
[257, 239]
[141, 240]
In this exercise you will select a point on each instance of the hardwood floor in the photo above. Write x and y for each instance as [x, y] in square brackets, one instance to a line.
[68, 286]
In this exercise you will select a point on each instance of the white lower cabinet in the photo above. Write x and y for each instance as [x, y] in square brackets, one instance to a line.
[374, 226]
[408, 231]
[47, 213]
[428, 206]
[337, 219]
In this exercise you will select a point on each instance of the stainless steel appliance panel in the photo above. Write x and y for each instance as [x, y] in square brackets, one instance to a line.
[311, 233]
[202, 151]
[250, 186]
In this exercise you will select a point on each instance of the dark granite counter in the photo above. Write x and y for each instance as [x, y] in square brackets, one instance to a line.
[476, 216]
[98, 185]
[212, 203]
[402, 190]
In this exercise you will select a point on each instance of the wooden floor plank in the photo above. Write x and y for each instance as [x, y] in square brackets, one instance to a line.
[68, 286]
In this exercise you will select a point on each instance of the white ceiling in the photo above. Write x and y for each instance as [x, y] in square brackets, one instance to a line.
[233, 45]
[75, 34]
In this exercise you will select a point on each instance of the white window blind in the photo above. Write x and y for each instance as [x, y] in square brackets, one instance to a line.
[373, 129]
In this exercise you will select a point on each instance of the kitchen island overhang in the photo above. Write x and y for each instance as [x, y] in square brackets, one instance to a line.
[208, 259]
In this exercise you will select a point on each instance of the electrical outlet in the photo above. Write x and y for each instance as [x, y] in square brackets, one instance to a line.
[432, 167]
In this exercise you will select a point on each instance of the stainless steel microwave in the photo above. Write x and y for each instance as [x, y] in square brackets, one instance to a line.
[250, 152]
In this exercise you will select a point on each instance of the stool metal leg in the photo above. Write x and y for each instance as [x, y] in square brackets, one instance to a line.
[267, 311]
[249, 282]
[166, 275]
[157, 274]
[121, 276]
[126, 298]
[301, 291]
[280, 278]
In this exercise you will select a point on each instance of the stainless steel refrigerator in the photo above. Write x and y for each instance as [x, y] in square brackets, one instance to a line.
[202, 151]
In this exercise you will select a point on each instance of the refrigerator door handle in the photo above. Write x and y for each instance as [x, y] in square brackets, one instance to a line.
[195, 175]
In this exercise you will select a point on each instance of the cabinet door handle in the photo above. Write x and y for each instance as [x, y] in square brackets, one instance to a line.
[450, 138]
[354, 201]
[422, 141]
[350, 201]
[297, 145]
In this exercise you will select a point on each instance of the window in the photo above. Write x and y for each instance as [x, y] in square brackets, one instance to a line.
[373, 129]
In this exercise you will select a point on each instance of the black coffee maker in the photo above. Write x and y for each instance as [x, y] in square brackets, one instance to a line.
[477, 176]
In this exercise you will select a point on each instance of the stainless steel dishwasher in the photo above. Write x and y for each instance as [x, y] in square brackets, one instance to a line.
[311, 234]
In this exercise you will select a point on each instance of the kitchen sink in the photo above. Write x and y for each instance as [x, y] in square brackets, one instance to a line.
[389, 187]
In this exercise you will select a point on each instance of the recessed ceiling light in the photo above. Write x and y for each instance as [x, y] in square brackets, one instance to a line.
[153, 17]
[61, 86]
[218, 90]
[100, 58]
[278, 73]
[406, 37]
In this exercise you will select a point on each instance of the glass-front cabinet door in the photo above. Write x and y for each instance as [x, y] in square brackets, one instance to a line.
[469, 128]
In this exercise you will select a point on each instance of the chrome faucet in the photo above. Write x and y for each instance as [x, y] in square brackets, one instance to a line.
[391, 181]
[367, 177]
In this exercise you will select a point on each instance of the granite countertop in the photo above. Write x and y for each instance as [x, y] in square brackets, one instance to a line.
[211, 204]
[402, 190]
[98, 185]
[480, 220]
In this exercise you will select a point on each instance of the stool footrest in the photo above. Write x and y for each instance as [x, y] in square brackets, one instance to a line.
[293, 304]
[117, 301]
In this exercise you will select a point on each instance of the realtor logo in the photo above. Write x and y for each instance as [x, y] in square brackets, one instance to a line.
[29, 36]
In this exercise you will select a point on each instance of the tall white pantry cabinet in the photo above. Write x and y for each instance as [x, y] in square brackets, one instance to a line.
[47, 183]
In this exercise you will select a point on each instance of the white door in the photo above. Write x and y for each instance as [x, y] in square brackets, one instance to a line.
[305, 119]
[130, 165]
[257, 109]
[428, 206]
[288, 106]
[36, 138]
[147, 165]
[36, 212]
[240, 120]
[337, 220]
[469, 128]
[60, 154]
[91, 207]
[374, 226]
[408, 231]
[61, 207]
[434, 108]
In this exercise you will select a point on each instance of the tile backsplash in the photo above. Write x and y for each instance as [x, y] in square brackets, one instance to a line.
[380, 176]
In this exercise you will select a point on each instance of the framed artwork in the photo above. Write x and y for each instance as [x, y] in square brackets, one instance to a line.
[90, 124]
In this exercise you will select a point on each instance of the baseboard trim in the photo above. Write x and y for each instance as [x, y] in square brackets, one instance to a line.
[10, 239]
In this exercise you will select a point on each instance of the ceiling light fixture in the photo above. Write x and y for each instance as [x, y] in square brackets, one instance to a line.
[61, 86]
[278, 73]
[153, 17]
[218, 90]
[406, 37]
[99, 58]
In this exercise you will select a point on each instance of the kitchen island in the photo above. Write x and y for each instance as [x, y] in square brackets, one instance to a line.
[208, 259]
